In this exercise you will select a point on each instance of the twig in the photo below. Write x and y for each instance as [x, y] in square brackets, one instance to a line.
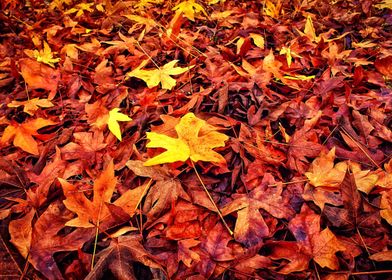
[212, 201]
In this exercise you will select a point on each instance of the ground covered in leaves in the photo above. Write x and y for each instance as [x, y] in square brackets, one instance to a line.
[195, 140]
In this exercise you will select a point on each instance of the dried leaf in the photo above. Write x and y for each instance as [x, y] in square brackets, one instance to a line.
[90, 213]
[323, 172]
[21, 232]
[119, 257]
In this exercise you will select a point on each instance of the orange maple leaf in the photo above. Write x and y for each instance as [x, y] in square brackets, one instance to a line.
[23, 134]
[92, 213]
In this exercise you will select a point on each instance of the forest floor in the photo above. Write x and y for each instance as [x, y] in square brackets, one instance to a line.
[199, 139]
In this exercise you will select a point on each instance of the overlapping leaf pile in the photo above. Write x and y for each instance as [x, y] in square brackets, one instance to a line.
[216, 139]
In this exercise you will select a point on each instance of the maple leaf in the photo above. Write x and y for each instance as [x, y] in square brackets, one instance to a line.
[319, 245]
[189, 9]
[46, 240]
[250, 227]
[31, 105]
[323, 172]
[80, 8]
[114, 118]
[44, 56]
[21, 231]
[385, 205]
[110, 118]
[39, 76]
[159, 76]
[142, 21]
[272, 10]
[119, 256]
[142, 4]
[189, 143]
[92, 213]
[23, 134]
[386, 4]
[163, 193]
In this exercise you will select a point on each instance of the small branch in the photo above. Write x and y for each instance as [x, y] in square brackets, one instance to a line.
[212, 201]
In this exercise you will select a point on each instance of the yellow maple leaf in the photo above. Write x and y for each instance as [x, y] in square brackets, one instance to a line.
[189, 9]
[80, 8]
[324, 173]
[23, 134]
[31, 105]
[111, 119]
[309, 30]
[271, 9]
[114, 117]
[147, 3]
[162, 75]
[140, 21]
[195, 141]
[44, 56]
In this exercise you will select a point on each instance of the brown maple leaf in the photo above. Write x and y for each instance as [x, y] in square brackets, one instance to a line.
[119, 256]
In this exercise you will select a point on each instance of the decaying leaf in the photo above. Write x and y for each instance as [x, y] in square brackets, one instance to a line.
[39, 76]
[119, 256]
[21, 231]
[90, 213]
[321, 245]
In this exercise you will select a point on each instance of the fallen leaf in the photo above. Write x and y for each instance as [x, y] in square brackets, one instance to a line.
[44, 56]
[21, 231]
[23, 134]
[159, 76]
[119, 257]
[319, 245]
[90, 213]
[386, 205]
[323, 171]
[189, 143]
[39, 76]
[46, 240]
[114, 118]
[384, 256]
[31, 105]
[189, 8]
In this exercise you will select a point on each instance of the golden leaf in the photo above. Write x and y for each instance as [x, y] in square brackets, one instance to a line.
[162, 75]
[191, 143]
[323, 172]
[114, 118]
[44, 56]
[189, 9]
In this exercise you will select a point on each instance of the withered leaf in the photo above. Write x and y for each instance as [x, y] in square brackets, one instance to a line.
[119, 256]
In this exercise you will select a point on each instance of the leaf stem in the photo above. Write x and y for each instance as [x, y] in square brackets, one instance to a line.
[212, 201]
